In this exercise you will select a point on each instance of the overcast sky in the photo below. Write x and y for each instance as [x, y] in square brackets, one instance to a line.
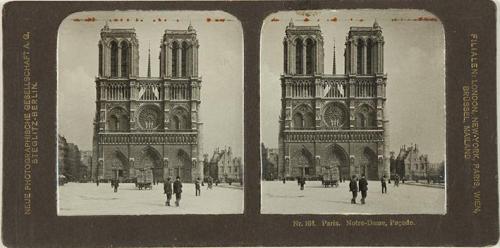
[220, 66]
[413, 61]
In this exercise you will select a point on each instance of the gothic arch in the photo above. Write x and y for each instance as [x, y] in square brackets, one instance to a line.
[303, 117]
[369, 56]
[119, 119]
[184, 165]
[184, 58]
[365, 116]
[175, 59]
[180, 119]
[299, 56]
[303, 162]
[119, 164]
[337, 157]
[100, 58]
[310, 55]
[369, 164]
[114, 58]
[125, 58]
[285, 56]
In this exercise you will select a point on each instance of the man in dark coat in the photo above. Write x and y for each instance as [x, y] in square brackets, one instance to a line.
[115, 184]
[384, 185]
[167, 189]
[363, 188]
[197, 187]
[302, 182]
[353, 187]
[177, 190]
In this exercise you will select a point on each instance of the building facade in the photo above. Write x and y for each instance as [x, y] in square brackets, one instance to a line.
[147, 123]
[223, 165]
[412, 164]
[333, 122]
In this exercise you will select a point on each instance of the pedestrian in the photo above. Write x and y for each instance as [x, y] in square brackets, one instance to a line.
[177, 190]
[116, 185]
[167, 189]
[209, 182]
[363, 188]
[302, 182]
[284, 180]
[97, 181]
[403, 180]
[384, 185]
[197, 187]
[353, 187]
[396, 181]
[298, 181]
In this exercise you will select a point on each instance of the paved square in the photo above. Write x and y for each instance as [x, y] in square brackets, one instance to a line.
[279, 198]
[88, 199]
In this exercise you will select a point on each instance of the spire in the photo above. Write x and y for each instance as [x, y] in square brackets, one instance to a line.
[290, 24]
[190, 27]
[375, 24]
[334, 71]
[149, 60]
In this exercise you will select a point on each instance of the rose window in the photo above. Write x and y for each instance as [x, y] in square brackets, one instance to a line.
[149, 119]
[334, 116]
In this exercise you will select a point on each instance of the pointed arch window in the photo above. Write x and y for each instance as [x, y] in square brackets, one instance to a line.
[285, 57]
[100, 59]
[298, 121]
[184, 58]
[310, 55]
[298, 57]
[359, 58]
[114, 59]
[175, 62]
[369, 57]
[125, 59]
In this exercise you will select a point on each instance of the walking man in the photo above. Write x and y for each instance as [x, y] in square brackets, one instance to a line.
[353, 187]
[197, 187]
[384, 185]
[363, 188]
[167, 189]
[302, 182]
[177, 190]
[115, 184]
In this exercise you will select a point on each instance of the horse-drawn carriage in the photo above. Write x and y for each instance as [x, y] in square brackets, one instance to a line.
[330, 177]
[144, 179]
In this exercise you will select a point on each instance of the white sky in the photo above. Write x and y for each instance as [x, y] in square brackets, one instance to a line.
[220, 66]
[413, 60]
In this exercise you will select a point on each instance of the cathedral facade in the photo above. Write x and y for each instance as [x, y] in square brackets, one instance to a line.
[333, 123]
[147, 124]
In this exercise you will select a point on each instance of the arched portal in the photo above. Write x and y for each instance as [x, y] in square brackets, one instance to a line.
[183, 166]
[119, 165]
[302, 163]
[150, 161]
[370, 164]
[337, 161]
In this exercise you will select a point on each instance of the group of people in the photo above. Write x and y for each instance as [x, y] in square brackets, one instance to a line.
[176, 189]
[356, 186]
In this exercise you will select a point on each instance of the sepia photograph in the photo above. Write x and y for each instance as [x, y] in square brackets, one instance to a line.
[353, 112]
[149, 113]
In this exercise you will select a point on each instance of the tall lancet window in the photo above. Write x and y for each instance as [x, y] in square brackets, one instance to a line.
[298, 57]
[310, 56]
[124, 59]
[369, 57]
[285, 57]
[114, 59]
[175, 62]
[184, 59]
[359, 57]
[100, 59]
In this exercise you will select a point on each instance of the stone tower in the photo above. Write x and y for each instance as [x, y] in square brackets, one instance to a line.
[332, 124]
[147, 124]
